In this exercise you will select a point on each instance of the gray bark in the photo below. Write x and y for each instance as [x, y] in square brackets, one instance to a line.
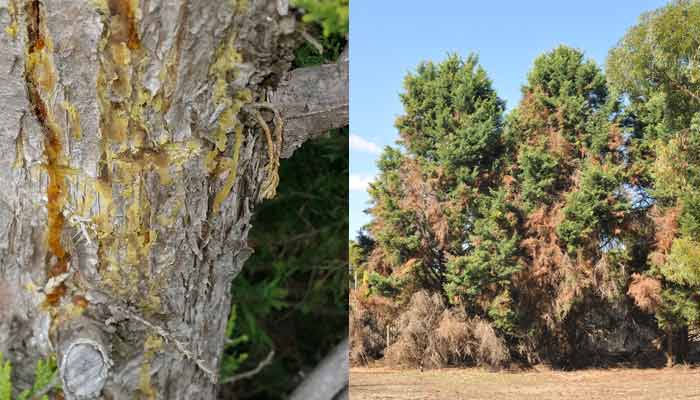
[131, 162]
[313, 100]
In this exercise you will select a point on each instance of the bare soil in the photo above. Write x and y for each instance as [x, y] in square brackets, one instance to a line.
[539, 383]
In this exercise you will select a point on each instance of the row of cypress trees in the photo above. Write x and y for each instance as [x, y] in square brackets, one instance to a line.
[583, 198]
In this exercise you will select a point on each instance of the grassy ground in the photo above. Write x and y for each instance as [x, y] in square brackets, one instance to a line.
[540, 384]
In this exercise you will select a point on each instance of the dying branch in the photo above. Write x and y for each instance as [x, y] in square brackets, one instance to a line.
[312, 100]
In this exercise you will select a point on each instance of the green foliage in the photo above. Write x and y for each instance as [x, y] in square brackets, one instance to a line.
[46, 371]
[332, 15]
[680, 308]
[383, 286]
[656, 64]
[453, 116]
[689, 220]
[5, 380]
[485, 272]
[567, 90]
[232, 359]
[356, 255]
[258, 299]
[675, 167]
[307, 55]
[539, 173]
[563, 74]
[683, 265]
[596, 209]
[502, 312]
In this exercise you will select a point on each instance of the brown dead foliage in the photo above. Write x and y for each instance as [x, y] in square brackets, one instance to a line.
[542, 243]
[615, 138]
[508, 181]
[533, 114]
[646, 292]
[368, 321]
[666, 223]
[491, 350]
[452, 344]
[657, 258]
[420, 196]
[554, 280]
[606, 278]
[434, 336]
[557, 144]
[414, 327]
[407, 267]
[378, 259]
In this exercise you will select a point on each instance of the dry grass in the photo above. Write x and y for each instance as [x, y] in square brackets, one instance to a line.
[540, 384]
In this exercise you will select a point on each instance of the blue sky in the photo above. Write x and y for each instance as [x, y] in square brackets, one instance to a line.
[389, 38]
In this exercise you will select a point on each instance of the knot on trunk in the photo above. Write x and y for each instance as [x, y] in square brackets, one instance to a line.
[84, 360]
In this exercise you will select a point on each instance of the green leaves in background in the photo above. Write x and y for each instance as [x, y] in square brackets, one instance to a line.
[332, 15]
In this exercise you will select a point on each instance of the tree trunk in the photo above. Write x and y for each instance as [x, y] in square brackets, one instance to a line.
[682, 346]
[136, 138]
[669, 348]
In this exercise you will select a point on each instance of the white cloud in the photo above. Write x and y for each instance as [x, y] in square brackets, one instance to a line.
[361, 144]
[359, 182]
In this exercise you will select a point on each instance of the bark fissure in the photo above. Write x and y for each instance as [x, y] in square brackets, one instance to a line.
[40, 76]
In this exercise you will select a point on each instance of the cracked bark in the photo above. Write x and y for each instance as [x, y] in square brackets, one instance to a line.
[121, 122]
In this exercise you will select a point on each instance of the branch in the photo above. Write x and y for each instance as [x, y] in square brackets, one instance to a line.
[83, 358]
[674, 83]
[312, 100]
[249, 374]
[685, 90]
[329, 380]
[343, 395]
[311, 40]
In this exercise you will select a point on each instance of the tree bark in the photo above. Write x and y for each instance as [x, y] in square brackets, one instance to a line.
[132, 157]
